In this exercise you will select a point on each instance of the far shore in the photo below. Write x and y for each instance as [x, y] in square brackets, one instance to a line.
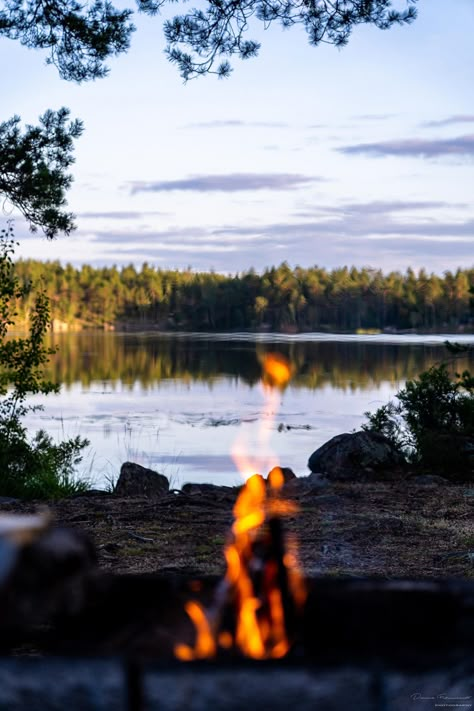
[138, 327]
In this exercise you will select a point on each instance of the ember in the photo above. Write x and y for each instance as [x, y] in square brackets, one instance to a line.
[257, 603]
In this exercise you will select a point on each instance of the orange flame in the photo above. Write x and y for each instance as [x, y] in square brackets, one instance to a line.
[276, 375]
[276, 370]
[252, 580]
[260, 619]
[205, 644]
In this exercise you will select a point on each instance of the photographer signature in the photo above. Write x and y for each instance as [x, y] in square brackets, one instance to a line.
[440, 697]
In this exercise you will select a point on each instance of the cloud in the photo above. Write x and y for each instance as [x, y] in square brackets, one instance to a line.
[373, 117]
[185, 238]
[379, 207]
[419, 247]
[379, 233]
[449, 121]
[382, 209]
[118, 215]
[236, 123]
[384, 234]
[233, 182]
[414, 147]
[305, 245]
[368, 226]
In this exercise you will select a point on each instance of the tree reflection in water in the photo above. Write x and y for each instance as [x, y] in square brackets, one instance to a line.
[148, 359]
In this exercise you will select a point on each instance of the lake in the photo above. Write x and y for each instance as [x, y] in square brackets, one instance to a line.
[179, 403]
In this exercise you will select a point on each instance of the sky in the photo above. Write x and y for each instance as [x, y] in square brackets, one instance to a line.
[362, 156]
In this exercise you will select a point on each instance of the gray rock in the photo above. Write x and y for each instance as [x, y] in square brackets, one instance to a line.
[358, 456]
[206, 489]
[312, 484]
[296, 486]
[135, 480]
[55, 684]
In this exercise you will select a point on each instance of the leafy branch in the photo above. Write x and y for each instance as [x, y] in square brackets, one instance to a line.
[79, 36]
[39, 467]
[33, 169]
[197, 39]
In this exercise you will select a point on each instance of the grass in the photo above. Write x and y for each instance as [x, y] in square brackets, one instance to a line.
[131, 447]
[38, 468]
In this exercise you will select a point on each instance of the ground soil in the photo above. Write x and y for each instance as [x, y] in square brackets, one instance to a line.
[377, 529]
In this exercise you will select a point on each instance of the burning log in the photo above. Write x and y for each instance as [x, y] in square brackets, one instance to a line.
[255, 608]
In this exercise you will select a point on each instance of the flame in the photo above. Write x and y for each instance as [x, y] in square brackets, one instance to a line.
[262, 586]
[276, 370]
[276, 478]
[260, 619]
[205, 644]
[276, 374]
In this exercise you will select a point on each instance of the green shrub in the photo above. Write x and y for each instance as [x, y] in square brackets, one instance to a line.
[29, 467]
[432, 422]
[38, 468]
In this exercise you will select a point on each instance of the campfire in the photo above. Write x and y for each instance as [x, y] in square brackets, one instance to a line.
[256, 605]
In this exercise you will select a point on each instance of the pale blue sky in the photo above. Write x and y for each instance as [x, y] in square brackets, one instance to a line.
[358, 156]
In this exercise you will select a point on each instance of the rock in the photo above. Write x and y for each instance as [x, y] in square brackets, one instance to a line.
[135, 480]
[288, 474]
[206, 489]
[358, 456]
[310, 485]
[429, 480]
[8, 500]
[298, 485]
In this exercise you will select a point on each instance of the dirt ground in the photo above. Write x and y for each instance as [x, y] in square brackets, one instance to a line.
[380, 529]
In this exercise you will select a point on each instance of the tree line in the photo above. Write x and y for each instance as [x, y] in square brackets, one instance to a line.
[279, 299]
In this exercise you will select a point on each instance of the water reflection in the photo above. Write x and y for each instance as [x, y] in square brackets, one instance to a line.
[128, 360]
[177, 403]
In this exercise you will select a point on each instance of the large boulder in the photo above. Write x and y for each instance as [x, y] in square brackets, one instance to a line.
[135, 480]
[356, 456]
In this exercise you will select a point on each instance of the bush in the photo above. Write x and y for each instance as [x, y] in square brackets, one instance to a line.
[36, 467]
[432, 422]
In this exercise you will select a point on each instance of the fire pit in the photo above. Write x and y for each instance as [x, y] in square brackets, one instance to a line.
[362, 644]
[355, 643]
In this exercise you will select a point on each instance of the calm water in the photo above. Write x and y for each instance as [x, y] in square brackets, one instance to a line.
[178, 403]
